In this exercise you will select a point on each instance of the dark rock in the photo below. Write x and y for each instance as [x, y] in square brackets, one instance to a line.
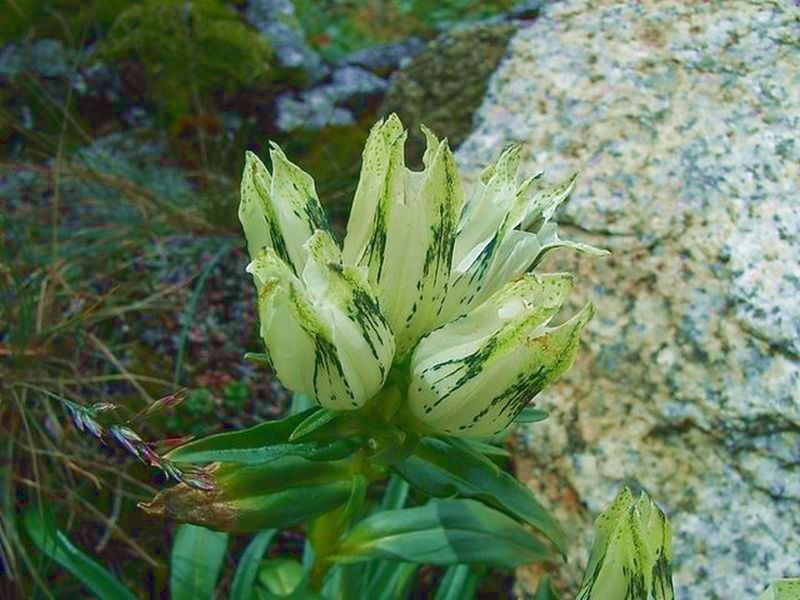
[444, 85]
[329, 104]
[385, 58]
[527, 9]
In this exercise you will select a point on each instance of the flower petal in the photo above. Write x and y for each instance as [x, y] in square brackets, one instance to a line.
[419, 251]
[379, 186]
[325, 334]
[343, 297]
[499, 207]
[402, 229]
[472, 376]
[631, 553]
[281, 210]
[544, 203]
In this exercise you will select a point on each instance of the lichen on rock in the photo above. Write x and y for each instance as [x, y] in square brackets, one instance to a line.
[444, 85]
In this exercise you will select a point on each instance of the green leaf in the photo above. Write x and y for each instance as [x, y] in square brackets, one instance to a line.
[395, 494]
[313, 422]
[443, 532]
[545, 590]
[394, 497]
[355, 503]
[393, 580]
[265, 434]
[52, 542]
[459, 581]
[257, 357]
[318, 451]
[195, 563]
[532, 415]
[446, 467]
[490, 450]
[289, 507]
[281, 576]
[245, 577]
[345, 582]
[262, 443]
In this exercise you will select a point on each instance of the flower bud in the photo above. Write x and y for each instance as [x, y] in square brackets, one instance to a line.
[403, 226]
[325, 332]
[782, 589]
[473, 376]
[279, 210]
[631, 553]
[243, 498]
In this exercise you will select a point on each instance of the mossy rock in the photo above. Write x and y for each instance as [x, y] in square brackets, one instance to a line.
[444, 85]
[192, 51]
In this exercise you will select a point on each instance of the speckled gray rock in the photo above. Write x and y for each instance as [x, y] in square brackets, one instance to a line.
[276, 20]
[323, 105]
[683, 119]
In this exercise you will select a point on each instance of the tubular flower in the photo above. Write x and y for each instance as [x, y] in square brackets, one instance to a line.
[631, 553]
[427, 284]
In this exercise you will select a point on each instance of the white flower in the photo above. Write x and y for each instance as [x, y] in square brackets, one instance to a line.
[427, 285]
[631, 553]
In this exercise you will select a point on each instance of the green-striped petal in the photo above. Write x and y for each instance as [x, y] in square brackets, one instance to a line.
[631, 553]
[279, 210]
[782, 589]
[380, 185]
[473, 376]
[486, 230]
[402, 228]
[325, 333]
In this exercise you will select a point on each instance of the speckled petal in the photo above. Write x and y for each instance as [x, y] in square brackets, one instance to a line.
[631, 553]
[325, 334]
[420, 237]
[280, 210]
[472, 376]
[380, 185]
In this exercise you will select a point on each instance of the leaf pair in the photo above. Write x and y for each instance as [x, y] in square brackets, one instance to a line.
[447, 467]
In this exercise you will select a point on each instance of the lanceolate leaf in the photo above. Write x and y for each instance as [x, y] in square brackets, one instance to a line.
[448, 467]
[443, 532]
[262, 443]
[245, 577]
[197, 555]
[459, 581]
[52, 542]
[265, 434]
[314, 422]
[322, 451]
[532, 415]
[394, 582]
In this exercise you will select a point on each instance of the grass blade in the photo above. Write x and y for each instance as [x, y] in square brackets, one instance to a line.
[51, 541]
[245, 577]
[197, 555]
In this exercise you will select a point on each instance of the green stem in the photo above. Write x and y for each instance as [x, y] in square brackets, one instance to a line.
[325, 531]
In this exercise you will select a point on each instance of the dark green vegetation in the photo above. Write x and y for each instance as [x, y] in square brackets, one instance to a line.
[123, 127]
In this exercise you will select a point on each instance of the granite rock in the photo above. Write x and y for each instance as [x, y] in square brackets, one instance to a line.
[682, 118]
